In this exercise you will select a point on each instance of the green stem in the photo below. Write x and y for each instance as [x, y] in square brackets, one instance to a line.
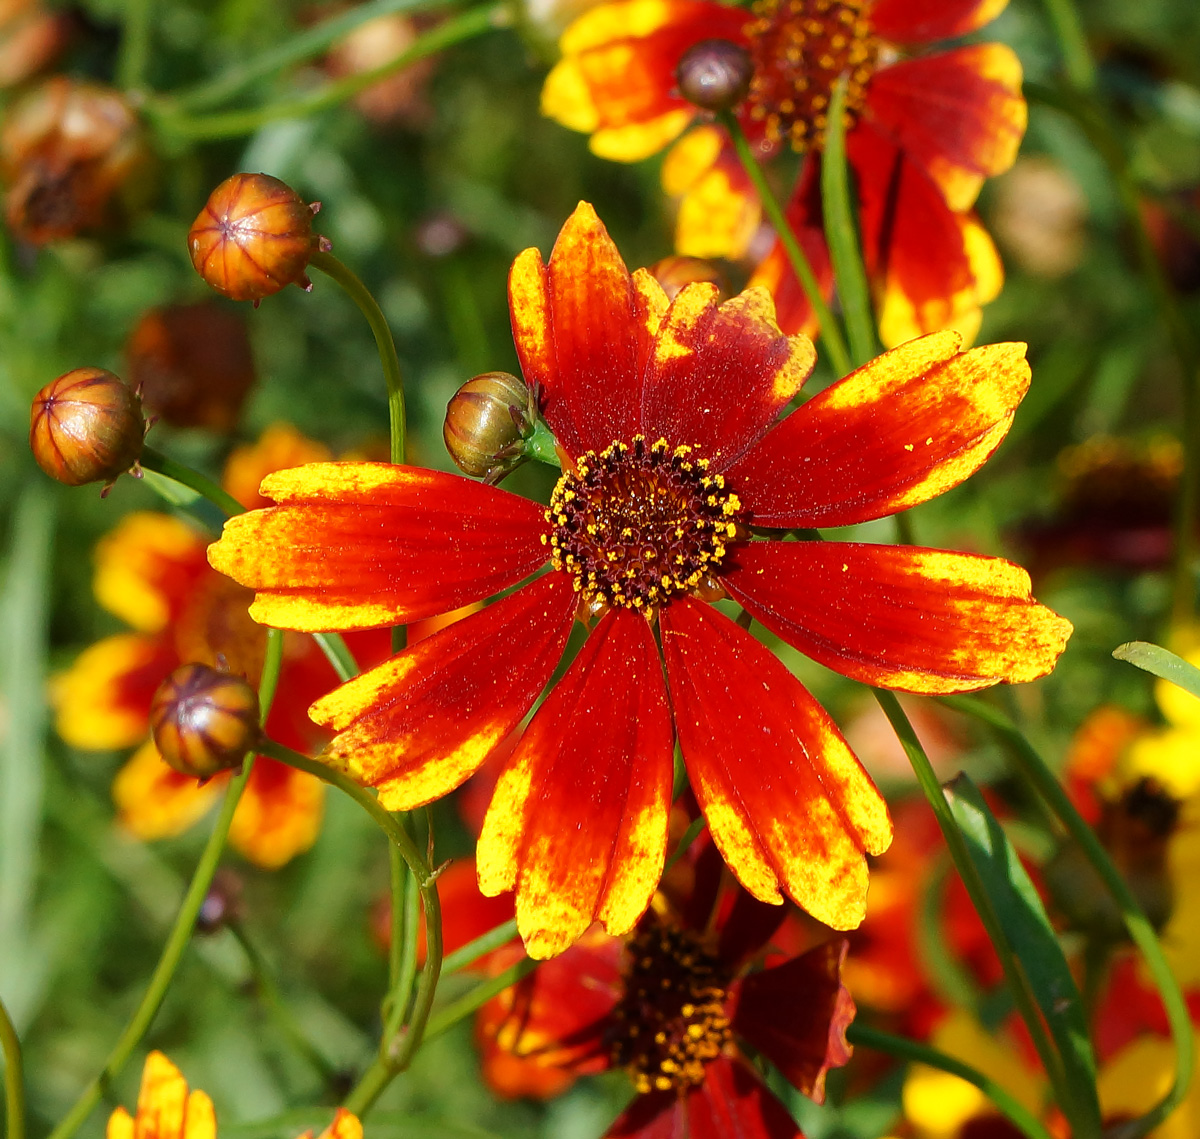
[841, 233]
[399, 879]
[337, 654]
[1017, 982]
[396, 1051]
[1018, 1115]
[14, 1080]
[485, 943]
[1077, 56]
[1141, 932]
[541, 445]
[135, 44]
[458, 1010]
[154, 460]
[297, 49]
[233, 124]
[828, 330]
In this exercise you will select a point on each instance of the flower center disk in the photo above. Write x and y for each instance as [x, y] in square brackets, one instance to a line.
[637, 525]
[800, 48]
[671, 1021]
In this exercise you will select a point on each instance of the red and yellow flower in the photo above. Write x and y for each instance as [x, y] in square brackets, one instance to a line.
[151, 572]
[678, 489]
[923, 132]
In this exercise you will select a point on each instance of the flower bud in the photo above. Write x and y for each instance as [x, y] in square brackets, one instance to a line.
[253, 237]
[192, 364]
[486, 421]
[86, 426]
[222, 904]
[715, 74]
[203, 720]
[676, 271]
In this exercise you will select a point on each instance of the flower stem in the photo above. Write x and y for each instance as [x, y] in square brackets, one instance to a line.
[154, 460]
[398, 1047]
[484, 943]
[135, 44]
[956, 845]
[14, 1079]
[233, 124]
[1141, 932]
[458, 1010]
[1077, 56]
[828, 330]
[1018, 1115]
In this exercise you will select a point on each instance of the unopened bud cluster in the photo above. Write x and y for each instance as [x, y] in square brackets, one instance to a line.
[487, 422]
[204, 721]
[715, 74]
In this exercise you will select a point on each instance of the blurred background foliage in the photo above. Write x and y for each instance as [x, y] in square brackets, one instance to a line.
[429, 210]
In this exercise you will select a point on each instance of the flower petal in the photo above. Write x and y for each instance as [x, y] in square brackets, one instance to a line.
[720, 374]
[155, 801]
[796, 1014]
[582, 326]
[922, 21]
[279, 814]
[901, 617]
[344, 1125]
[422, 722]
[732, 1101]
[165, 1110]
[896, 432]
[719, 212]
[785, 800]
[356, 545]
[959, 113]
[578, 822]
[279, 447]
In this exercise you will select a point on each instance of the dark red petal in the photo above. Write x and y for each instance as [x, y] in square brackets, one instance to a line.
[720, 374]
[960, 114]
[796, 1015]
[356, 545]
[900, 617]
[583, 327]
[747, 930]
[578, 822]
[421, 723]
[902, 429]
[784, 798]
[922, 21]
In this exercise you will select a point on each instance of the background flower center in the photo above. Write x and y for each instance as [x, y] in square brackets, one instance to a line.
[800, 47]
[671, 1020]
[638, 524]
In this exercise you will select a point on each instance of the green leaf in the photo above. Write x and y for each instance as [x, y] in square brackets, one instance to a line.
[1034, 945]
[1162, 663]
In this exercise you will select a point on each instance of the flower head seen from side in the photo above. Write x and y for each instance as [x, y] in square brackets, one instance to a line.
[923, 131]
[151, 572]
[677, 489]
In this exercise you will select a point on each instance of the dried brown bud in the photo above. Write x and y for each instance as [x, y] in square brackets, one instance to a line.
[676, 271]
[253, 237]
[222, 904]
[715, 74]
[486, 421]
[31, 38]
[86, 426]
[192, 364]
[67, 149]
[203, 720]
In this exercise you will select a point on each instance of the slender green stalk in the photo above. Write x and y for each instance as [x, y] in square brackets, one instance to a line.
[397, 1049]
[233, 124]
[1018, 1115]
[337, 654]
[841, 233]
[1014, 973]
[14, 1078]
[1077, 56]
[829, 331]
[485, 943]
[399, 879]
[135, 44]
[296, 49]
[154, 460]
[541, 445]
[458, 1010]
[1141, 932]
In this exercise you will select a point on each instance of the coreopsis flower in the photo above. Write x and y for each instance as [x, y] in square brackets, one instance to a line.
[152, 573]
[399, 98]
[923, 130]
[167, 1110]
[671, 1004]
[69, 152]
[678, 489]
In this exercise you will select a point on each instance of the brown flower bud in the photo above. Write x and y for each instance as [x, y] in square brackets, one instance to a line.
[253, 237]
[86, 426]
[67, 151]
[222, 904]
[715, 74]
[486, 421]
[203, 720]
[676, 271]
[31, 38]
[192, 364]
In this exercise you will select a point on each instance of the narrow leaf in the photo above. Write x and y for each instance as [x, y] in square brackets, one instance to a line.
[1162, 663]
